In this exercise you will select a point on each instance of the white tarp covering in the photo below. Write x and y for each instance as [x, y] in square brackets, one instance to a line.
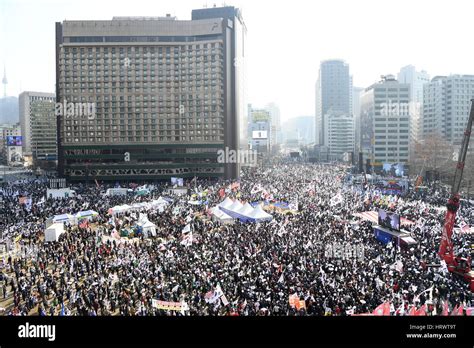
[220, 216]
[259, 214]
[52, 233]
[246, 209]
[226, 203]
[116, 191]
[235, 207]
[63, 218]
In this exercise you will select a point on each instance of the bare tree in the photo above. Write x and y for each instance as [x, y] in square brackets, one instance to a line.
[434, 154]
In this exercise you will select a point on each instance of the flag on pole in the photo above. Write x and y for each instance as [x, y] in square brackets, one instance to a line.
[421, 311]
[382, 310]
[445, 311]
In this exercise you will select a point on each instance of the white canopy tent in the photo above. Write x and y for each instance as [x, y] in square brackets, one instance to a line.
[148, 228]
[220, 216]
[259, 214]
[63, 218]
[246, 209]
[52, 233]
[226, 203]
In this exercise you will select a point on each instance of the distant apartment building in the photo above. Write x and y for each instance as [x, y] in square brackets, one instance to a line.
[446, 106]
[340, 135]
[333, 94]
[416, 80]
[276, 123]
[169, 94]
[385, 122]
[10, 143]
[260, 129]
[38, 126]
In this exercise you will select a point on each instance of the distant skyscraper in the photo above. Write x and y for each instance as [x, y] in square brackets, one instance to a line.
[333, 94]
[385, 122]
[168, 95]
[276, 122]
[356, 93]
[38, 125]
[416, 80]
[446, 105]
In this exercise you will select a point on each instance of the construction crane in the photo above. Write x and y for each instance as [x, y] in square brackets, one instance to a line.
[457, 265]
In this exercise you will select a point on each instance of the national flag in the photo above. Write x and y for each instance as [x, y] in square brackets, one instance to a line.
[445, 311]
[460, 310]
[382, 310]
[300, 304]
[412, 311]
[455, 310]
[401, 310]
[84, 223]
[464, 227]
[421, 311]
[470, 311]
[224, 300]
[186, 228]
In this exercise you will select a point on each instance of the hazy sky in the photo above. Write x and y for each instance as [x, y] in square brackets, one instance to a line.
[286, 40]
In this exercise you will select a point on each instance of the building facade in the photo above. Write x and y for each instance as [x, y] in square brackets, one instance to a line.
[168, 94]
[333, 94]
[416, 79]
[340, 135]
[356, 93]
[38, 126]
[10, 148]
[385, 123]
[260, 130]
[446, 106]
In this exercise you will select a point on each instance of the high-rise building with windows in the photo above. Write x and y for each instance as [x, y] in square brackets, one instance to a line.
[340, 135]
[38, 126]
[385, 122]
[416, 79]
[168, 94]
[446, 106]
[333, 94]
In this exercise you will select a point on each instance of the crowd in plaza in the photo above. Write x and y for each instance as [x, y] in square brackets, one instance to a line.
[291, 265]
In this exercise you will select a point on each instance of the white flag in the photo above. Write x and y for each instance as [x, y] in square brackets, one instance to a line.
[186, 228]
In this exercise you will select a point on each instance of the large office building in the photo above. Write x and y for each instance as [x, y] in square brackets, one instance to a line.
[385, 123]
[446, 106]
[416, 79]
[333, 94]
[340, 135]
[167, 94]
[38, 127]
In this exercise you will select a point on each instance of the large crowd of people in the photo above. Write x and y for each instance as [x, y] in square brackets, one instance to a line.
[230, 269]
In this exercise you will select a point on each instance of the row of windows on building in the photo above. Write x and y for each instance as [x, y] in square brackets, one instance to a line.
[114, 139]
[142, 49]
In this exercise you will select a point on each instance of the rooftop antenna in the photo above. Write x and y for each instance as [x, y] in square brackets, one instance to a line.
[4, 81]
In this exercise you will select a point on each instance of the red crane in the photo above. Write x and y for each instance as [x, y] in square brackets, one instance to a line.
[457, 265]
